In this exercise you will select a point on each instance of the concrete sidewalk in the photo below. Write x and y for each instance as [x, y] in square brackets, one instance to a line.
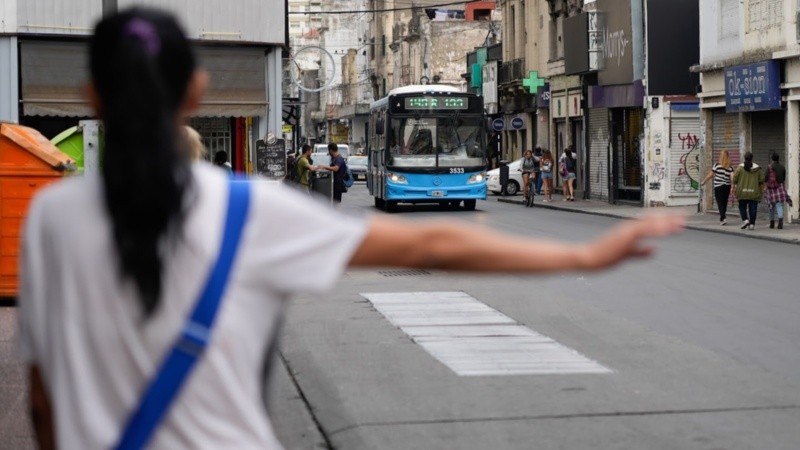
[695, 221]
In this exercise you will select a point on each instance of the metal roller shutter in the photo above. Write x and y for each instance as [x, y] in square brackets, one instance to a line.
[769, 136]
[598, 153]
[684, 155]
[725, 136]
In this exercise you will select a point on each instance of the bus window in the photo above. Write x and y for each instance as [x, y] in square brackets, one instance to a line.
[454, 142]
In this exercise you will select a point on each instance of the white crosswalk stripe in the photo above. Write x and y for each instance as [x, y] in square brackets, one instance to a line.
[474, 339]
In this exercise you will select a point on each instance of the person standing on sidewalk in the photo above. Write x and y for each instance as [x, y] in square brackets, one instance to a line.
[526, 167]
[304, 167]
[775, 193]
[537, 169]
[547, 163]
[338, 168]
[107, 285]
[748, 184]
[721, 172]
[568, 173]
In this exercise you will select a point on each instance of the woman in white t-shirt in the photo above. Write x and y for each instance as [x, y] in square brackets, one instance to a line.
[113, 263]
[722, 172]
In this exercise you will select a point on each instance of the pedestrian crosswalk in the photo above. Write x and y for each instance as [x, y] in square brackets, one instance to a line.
[474, 339]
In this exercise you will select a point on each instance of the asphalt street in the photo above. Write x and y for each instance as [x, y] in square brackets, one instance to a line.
[701, 342]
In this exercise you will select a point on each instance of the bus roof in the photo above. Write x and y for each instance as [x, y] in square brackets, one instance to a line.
[417, 89]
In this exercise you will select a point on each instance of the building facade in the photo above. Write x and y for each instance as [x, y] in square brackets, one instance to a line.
[750, 84]
[43, 55]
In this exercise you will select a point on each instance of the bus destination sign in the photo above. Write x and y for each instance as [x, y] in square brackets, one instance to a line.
[429, 103]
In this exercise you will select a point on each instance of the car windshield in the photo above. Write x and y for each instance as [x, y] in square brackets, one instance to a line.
[357, 160]
[454, 141]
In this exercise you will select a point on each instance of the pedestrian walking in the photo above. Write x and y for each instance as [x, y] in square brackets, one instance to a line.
[547, 164]
[721, 173]
[118, 318]
[748, 183]
[775, 193]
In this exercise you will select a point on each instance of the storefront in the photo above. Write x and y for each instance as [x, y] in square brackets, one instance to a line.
[620, 109]
[52, 76]
[566, 124]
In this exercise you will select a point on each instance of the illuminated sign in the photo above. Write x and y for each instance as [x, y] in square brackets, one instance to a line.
[437, 103]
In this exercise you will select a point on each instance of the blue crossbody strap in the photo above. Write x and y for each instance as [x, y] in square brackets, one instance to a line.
[191, 343]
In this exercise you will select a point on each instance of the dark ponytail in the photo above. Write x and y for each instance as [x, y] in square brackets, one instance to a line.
[141, 64]
[748, 161]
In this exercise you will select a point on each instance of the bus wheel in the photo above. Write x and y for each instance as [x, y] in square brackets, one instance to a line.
[379, 203]
[469, 205]
[391, 206]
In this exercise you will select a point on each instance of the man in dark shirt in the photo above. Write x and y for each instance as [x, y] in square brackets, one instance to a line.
[338, 168]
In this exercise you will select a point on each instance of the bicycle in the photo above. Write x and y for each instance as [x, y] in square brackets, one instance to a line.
[530, 190]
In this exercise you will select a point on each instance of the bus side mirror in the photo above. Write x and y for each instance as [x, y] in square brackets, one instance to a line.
[379, 126]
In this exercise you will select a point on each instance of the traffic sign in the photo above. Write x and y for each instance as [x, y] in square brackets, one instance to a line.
[498, 124]
[517, 123]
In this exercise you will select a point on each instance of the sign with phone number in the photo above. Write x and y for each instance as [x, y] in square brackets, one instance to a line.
[753, 87]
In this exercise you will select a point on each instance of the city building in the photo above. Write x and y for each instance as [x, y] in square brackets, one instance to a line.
[610, 79]
[43, 55]
[424, 42]
[750, 84]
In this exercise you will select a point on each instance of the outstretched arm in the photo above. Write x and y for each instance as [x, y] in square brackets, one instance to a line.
[455, 246]
[708, 177]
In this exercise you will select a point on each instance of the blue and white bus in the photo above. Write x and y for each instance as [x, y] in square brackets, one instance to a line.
[427, 144]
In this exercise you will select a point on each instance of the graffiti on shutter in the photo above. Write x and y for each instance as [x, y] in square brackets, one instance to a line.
[684, 155]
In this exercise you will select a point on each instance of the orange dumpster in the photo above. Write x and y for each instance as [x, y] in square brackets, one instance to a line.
[28, 161]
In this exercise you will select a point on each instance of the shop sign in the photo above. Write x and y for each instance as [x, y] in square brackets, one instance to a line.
[753, 87]
[543, 100]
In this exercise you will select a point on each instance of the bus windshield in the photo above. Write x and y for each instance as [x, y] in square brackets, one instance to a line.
[431, 142]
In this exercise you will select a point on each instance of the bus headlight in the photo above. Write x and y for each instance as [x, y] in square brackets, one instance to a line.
[397, 178]
[476, 178]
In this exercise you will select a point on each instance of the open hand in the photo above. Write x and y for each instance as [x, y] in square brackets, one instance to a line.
[627, 240]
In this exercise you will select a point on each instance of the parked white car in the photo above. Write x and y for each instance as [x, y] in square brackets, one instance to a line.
[358, 166]
[514, 180]
[320, 153]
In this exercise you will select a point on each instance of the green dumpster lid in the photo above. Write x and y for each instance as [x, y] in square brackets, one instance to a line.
[70, 141]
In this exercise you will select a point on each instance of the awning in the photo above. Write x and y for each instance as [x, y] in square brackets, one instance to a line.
[54, 75]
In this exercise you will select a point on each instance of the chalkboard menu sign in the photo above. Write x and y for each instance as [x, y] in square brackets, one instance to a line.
[271, 158]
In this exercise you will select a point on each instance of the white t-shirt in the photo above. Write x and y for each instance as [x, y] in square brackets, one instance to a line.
[83, 326]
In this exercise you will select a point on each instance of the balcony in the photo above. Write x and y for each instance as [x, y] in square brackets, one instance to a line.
[511, 71]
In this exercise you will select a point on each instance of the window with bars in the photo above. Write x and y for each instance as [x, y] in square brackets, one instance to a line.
[729, 19]
[215, 133]
[764, 14]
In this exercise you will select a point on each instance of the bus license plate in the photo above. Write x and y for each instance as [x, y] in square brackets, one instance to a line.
[437, 193]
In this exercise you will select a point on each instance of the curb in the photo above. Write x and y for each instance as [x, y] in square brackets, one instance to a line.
[718, 230]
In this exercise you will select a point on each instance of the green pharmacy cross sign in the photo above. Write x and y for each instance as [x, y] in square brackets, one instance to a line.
[533, 82]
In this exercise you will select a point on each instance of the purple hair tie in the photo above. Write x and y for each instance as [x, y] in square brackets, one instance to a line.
[146, 32]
